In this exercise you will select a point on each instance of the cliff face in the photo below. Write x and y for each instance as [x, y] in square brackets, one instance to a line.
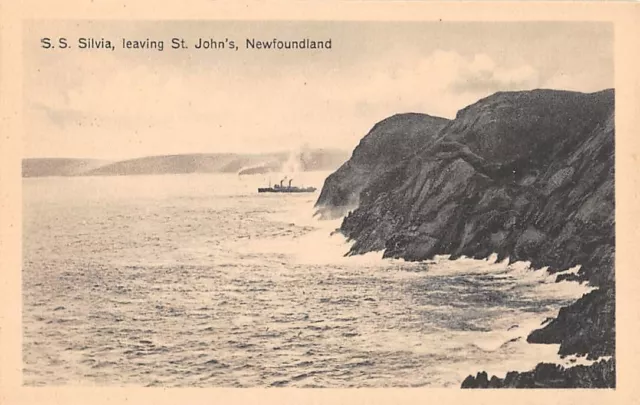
[527, 175]
[385, 147]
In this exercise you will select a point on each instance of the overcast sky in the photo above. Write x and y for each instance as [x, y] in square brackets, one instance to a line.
[122, 103]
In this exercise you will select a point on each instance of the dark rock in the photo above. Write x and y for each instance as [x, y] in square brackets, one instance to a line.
[469, 382]
[387, 145]
[495, 382]
[527, 175]
[482, 379]
[585, 327]
[545, 375]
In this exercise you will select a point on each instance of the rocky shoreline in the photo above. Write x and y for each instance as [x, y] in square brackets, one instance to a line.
[527, 175]
[546, 375]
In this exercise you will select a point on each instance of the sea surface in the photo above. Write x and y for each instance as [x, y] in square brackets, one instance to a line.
[198, 280]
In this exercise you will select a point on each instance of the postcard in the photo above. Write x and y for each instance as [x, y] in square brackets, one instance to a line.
[329, 203]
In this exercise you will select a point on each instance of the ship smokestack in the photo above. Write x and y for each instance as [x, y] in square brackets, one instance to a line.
[281, 182]
[290, 180]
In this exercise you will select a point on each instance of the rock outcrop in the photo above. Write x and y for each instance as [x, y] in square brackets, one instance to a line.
[385, 147]
[527, 175]
[546, 375]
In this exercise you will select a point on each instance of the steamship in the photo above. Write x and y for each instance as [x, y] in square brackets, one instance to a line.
[280, 188]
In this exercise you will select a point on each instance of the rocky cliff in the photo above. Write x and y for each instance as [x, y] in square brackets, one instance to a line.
[528, 175]
[386, 146]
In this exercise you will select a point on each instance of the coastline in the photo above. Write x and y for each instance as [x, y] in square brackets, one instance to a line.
[527, 175]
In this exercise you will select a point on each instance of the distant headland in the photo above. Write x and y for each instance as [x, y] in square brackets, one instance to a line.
[305, 160]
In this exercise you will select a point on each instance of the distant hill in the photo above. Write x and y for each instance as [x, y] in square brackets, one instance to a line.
[41, 167]
[303, 160]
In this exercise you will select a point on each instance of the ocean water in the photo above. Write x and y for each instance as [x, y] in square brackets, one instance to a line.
[197, 280]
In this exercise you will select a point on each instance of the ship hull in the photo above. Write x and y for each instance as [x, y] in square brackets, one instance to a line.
[286, 190]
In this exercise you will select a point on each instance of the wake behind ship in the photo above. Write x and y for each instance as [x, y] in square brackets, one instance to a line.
[279, 188]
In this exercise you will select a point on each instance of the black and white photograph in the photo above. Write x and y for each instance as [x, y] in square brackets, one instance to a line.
[318, 204]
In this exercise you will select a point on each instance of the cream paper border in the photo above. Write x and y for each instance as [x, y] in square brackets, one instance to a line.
[626, 18]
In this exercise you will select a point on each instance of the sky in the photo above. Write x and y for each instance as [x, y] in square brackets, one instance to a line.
[130, 103]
